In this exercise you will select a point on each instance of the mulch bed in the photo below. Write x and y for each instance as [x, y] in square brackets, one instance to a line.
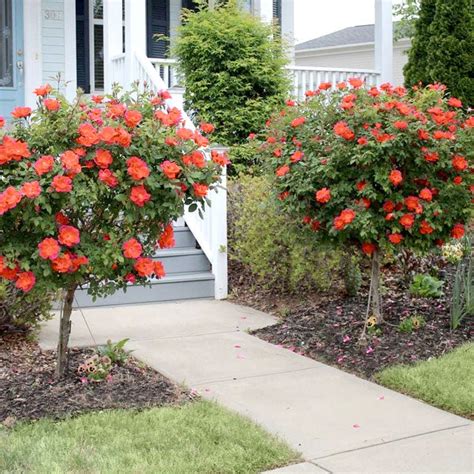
[327, 327]
[29, 391]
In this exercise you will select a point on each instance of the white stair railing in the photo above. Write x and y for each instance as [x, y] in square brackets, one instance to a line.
[117, 69]
[305, 78]
[210, 231]
[167, 69]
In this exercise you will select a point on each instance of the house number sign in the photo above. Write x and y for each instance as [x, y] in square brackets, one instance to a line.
[54, 15]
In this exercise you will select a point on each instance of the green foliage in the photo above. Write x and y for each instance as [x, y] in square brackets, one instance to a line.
[426, 286]
[462, 303]
[199, 437]
[443, 382]
[416, 69]
[413, 323]
[25, 311]
[442, 48]
[276, 249]
[407, 12]
[115, 351]
[352, 276]
[451, 48]
[232, 65]
[245, 159]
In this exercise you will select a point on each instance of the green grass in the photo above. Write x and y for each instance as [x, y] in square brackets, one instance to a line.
[446, 382]
[197, 437]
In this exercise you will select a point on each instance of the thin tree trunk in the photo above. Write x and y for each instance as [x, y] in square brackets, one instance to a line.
[374, 301]
[64, 332]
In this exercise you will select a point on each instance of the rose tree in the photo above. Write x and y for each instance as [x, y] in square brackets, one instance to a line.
[376, 168]
[88, 191]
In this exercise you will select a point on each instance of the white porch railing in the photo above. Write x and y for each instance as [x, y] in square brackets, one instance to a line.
[210, 231]
[117, 69]
[167, 69]
[306, 78]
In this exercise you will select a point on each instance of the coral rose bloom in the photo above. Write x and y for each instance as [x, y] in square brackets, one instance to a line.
[323, 195]
[52, 104]
[426, 194]
[282, 170]
[200, 190]
[62, 184]
[21, 112]
[368, 248]
[133, 118]
[49, 248]
[31, 189]
[132, 248]
[139, 196]
[395, 238]
[62, 264]
[25, 281]
[457, 232]
[158, 270]
[170, 169]
[69, 235]
[395, 177]
[137, 168]
[144, 266]
[407, 220]
[103, 158]
[167, 238]
[459, 163]
[44, 165]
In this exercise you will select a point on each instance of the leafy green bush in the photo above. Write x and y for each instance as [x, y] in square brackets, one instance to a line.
[115, 351]
[462, 303]
[232, 65]
[426, 286]
[19, 310]
[277, 251]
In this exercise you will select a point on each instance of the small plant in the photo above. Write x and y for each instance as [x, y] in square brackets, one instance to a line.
[96, 368]
[372, 328]
[453, 252]
[426, 286]
[115, 352]
[413, 323]
[462, 303]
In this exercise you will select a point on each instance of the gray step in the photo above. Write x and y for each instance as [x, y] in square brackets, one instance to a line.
[184, 238]
[183, 260]
[172, 287]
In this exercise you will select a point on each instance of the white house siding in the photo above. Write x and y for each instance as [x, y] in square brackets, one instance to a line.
[52, 39]
[357, 57]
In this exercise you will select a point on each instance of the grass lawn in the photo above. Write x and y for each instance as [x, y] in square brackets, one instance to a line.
[197, 437]
[446, 382]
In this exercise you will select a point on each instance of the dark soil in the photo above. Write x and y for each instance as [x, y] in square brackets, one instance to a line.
[327, 327]
[28, 390]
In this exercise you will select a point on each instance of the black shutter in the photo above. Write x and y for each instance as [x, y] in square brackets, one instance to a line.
[158, 17]
[82, 45]
[189, 4]
[277, 10]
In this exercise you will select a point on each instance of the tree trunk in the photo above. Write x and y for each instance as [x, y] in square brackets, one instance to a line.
[374, 302]
[64, 331]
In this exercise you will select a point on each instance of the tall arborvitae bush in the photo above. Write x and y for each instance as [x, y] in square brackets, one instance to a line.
[451, 48]
[233, 69]
[416, 69]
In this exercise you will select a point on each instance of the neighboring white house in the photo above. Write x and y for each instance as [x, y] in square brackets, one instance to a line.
[351, 47]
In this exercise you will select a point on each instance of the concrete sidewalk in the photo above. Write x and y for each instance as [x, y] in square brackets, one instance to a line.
[339, 423]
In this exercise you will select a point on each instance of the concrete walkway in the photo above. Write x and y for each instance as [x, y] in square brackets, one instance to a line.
[340, 423]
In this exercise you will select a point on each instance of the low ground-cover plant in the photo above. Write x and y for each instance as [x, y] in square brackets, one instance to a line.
[88, 191]
[426, 286]
[373, 167]
[462, 304]
[274, 248]
[23, 311]
[116, 352]
[413, 323]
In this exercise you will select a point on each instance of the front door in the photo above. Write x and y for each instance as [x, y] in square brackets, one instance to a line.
[12, 91]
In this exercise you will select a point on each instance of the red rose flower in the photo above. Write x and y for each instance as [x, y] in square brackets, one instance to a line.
[453, 102]
[52, 104]
[170, 169]
[49, 248]
[395, 238]
[395, 177]
[185, 134]
[62, 264]
[69, 236]
[457, 232]
[361, 185]
[407, 220]
[144, 266]
[44, 165]
[9, 199]
[207, 127]
[457, 180]
[459, 163]
[130, 278]
[412, 203]
[31, 189]
[355, 82]
[108, 178]
[347, 216]
[323, 195]
[132, 248]
[425, 228]
[324, 86]
[431, 156]
[200, 190]
[70, 162]
[21, 112]
[400, 125]
[423, 134]
[426, 194]
[158, 269]
[61, 218]
[167, 238]
[368, 248]
[25, 281]
[43, 90]
[103, 158]
[342, 130]
[62, 184]
[133, 118]
[283, 170]
[139, 196]
[297, 122]
[388, 206]
[137, 168]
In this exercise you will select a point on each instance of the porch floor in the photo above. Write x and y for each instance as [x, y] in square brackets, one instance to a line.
[340, 423]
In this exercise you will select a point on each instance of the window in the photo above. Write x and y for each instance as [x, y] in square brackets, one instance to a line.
[277, 11]
[6, 44]
[96, 39]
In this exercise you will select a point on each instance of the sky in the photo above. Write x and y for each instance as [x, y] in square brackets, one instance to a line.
[314, 18]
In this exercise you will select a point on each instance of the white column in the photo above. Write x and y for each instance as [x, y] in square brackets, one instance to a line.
[112, 40]
[70, 63]
[384, 39]
[135, 34]
[266, 10]
[32, 38]
[288, 26]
